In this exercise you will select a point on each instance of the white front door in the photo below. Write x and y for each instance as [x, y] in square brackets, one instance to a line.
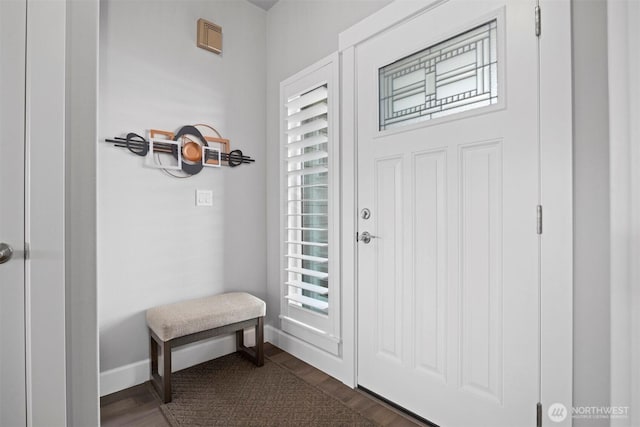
[448, 166]
[12, 268]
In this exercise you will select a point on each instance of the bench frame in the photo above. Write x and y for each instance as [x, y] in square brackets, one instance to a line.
[162, 384]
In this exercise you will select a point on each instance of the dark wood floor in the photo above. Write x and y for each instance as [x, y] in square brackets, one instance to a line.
[139, 406]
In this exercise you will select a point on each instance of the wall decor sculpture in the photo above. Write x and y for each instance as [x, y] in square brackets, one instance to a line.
[184, 153]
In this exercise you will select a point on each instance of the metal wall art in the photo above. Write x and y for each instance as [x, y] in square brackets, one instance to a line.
[184, 153]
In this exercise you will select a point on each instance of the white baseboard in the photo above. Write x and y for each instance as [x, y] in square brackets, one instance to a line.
[314, 356]
[136, 373]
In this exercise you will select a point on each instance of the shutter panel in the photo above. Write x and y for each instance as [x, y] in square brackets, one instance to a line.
[306, 230]
[310, 206]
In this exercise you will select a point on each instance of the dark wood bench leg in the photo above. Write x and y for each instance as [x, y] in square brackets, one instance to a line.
[153, 350]
[166, 372]
[161, 384]
[256, 354]
[240, 340]
[260, 342]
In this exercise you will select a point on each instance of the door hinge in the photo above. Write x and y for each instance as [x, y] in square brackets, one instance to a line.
[538, 20]
[27, 253]
[539, 414]
[539, 219]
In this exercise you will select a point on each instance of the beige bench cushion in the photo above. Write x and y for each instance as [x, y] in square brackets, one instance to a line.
[187, 317]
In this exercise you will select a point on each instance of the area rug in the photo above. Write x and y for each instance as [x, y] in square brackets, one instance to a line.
[231, 391]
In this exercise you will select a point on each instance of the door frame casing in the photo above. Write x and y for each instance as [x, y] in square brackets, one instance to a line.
[556, 189]
[45, 304]
[61, 132]
[556, 186]
[624, 62]
[13, 402]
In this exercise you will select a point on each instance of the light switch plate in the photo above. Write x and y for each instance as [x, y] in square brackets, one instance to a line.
[204, 198]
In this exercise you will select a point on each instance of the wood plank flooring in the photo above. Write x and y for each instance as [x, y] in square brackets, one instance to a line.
[139, 406]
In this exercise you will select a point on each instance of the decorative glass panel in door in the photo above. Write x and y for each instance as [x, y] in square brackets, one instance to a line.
[455, 75]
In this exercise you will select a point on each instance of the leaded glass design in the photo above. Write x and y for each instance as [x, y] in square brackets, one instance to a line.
[456, 75]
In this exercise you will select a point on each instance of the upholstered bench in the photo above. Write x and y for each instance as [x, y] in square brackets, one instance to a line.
[186, 322]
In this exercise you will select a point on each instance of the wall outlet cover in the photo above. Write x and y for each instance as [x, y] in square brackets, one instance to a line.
[204, 198]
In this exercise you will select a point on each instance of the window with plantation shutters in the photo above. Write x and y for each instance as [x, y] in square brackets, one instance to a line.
[307, 199]
[310, 305]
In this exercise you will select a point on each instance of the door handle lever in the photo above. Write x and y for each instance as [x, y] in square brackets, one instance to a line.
[366, 237]
[6, 252]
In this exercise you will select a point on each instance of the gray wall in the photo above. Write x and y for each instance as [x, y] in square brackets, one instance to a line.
[299, 33]
[591, 379]
[154, 245]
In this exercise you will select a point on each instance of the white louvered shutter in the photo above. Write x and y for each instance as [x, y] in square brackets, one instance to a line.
[307, 200]
[310, 207]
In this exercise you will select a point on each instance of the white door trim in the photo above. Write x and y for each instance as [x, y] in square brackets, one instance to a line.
[348, 222]
[556, 138]
[81, 108]
[45, 212]
[13, 402]
[624, 62]
[556, 184]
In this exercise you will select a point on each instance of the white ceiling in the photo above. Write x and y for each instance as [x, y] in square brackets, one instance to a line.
[264, 4]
